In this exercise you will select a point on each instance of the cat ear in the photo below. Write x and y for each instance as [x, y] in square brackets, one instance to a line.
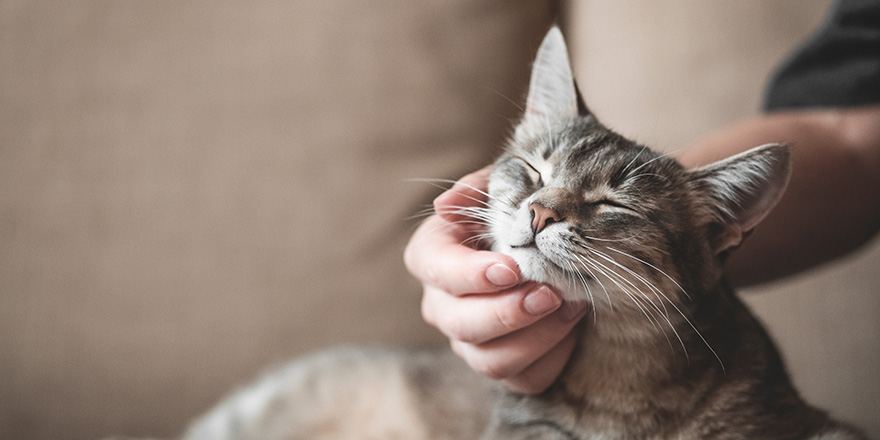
[553, 95]
[583, 110]
[741, 190]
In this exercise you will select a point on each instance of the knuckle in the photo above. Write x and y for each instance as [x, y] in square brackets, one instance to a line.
[428, 314]
[431, 275]
[506, 320]
[457, 329]
[476, 280]
[417, 268]
[415, 256]
[457, 349]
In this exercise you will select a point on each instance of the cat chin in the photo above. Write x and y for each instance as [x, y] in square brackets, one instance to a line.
[536, 267]
[532, 266]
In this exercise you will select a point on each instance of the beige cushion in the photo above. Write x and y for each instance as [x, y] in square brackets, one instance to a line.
[190, 191]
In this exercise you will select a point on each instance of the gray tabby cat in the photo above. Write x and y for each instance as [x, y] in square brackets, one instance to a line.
[668, 351]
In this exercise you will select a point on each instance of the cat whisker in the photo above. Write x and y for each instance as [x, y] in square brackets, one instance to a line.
[634, 289]
[583, 282]
[470, 209]
[571, 283]
[467, 211]
[477, 239]
[658, 157]
[593, 276]
[488, 217]
[648, 175]
[506, 98]
[420, 215]
[607, 272]
[675, 306]
[436, 183]
[583, 234]
[469, 222]
[450, 225]
[635, 275]
[644, 148]
[653, 267]
[664, 314]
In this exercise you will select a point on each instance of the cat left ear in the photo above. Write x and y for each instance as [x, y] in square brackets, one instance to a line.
[741, 190]
[553, 95]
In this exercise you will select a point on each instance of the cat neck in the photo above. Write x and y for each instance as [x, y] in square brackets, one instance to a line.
[626, 359]
[627, 382]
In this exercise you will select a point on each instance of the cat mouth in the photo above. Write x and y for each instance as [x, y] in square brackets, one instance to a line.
[530, 245]
[549, 264]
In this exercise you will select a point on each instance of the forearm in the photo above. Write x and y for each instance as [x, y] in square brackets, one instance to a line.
[832, 204]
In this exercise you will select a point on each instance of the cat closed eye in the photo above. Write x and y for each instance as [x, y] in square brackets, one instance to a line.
[610, 203]
[534, 174]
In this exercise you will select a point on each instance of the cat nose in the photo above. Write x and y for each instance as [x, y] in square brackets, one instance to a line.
[542, 217]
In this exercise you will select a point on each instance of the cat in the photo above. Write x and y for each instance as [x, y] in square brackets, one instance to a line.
[667, 351]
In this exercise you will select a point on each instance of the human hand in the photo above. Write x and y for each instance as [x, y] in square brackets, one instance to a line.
[518, 333]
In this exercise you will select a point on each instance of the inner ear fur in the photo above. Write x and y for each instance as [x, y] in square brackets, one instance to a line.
[739, 192]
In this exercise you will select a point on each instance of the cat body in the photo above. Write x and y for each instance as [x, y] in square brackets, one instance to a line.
[348, 393]
[642, 389]
[668, 350]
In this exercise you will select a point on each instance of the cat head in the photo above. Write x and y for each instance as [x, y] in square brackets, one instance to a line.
[605, 219]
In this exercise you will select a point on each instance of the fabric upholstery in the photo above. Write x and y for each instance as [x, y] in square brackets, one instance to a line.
[191, 191]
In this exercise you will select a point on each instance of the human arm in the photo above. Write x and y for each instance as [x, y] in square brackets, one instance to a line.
[832, 204]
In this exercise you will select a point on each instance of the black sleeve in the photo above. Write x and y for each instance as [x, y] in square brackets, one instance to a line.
[839, 66]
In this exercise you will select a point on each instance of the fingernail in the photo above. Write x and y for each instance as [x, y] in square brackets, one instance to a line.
[501, 275]
[572, 310]
[541, 301]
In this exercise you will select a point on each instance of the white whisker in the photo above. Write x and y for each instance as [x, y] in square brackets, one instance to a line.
[652, 267]
[638, 277]
[644, 147]
[593, 275]
[607, 272]
[584, 283]
[675, 306]
[436, 183]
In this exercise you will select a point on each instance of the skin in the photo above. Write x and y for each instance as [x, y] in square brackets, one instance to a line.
[522, 334]
[836, 169]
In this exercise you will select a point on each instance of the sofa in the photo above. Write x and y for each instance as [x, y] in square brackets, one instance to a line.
[191, 192]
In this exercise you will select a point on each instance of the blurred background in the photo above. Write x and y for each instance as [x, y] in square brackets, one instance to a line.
[192, 191]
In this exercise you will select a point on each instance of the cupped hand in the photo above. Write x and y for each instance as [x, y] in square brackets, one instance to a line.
[518, 333]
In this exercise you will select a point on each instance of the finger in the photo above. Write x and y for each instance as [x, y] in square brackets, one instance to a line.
[436, 257]
[510, 355]
[470, 190]
[476, 319]
[538, 376]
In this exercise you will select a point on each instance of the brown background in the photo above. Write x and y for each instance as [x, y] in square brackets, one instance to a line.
[190, 192]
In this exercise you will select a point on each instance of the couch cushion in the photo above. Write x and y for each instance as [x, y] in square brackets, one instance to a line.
[189, 191]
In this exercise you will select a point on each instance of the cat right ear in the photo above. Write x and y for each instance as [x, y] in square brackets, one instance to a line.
[553, 95]
[740, 191]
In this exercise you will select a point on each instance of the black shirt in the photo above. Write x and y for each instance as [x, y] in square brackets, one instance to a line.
[839, 66]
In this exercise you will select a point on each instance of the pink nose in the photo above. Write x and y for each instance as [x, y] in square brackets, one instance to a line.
[542, 217]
